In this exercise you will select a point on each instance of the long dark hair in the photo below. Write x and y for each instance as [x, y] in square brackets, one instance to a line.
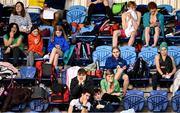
[9, 30]
[23, 13]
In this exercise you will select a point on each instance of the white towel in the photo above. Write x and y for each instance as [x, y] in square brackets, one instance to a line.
[130, 27]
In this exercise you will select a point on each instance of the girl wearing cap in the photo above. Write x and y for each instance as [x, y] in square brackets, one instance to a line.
[165, 65]
[35, 44]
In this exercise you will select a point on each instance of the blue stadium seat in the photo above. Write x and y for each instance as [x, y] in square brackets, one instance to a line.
[174, 51]
[178, 15]
[168, 7]
[157, 101]
[175, 102]
[134, 99]
[76, 15]
[148, 54]
[101, 54]
[19, 108]
[104, 47]
[80, 7]
[128, 53]
[38, 105]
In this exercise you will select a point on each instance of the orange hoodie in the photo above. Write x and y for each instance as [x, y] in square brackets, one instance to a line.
[37, 48]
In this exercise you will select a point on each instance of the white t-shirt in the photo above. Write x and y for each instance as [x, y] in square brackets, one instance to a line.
[76, 103]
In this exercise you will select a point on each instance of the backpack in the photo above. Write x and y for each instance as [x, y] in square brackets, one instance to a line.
[44, 70]
[118, 8]
[139, 69]
[39, 93]
[83, 50]
[157, 101]
[60, 92]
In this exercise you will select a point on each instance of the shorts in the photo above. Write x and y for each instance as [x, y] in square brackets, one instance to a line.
[122, 32]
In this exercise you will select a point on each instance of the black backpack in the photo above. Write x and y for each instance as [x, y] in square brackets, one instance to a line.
[139, 69]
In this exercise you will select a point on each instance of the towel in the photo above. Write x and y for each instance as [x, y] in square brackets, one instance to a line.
[130, 27]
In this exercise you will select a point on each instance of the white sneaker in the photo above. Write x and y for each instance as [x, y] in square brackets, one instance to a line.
[170, 34]
[46, 56]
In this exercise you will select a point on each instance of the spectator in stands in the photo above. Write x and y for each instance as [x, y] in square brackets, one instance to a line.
[98, 7]
[153, 22]
[165, 65]
[22, 18]
[59, 5]
[100, 105]
[110, 87]
[57, 45]
[120, 65]
[79, 83]
[130, 24]
[35, 46]
[13, 45]
[81, 104]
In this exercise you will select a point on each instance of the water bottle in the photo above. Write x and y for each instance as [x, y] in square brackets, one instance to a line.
[140, 66]
[97, 64]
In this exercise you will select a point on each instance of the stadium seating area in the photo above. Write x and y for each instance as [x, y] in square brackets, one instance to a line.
[142, 99]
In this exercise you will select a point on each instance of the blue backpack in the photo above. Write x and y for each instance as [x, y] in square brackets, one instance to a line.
[175, 102]
[157, 101]
[27, 71]
[134, 99]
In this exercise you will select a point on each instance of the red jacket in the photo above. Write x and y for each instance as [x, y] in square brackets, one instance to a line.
[37, 48]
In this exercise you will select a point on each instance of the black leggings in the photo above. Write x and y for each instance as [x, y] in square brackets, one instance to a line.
[110, 98]
[16, 53]
[156, 79]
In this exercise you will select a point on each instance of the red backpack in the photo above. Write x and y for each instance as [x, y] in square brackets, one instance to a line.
[60, 92]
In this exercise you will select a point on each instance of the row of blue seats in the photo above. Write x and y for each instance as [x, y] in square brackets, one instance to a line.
[128, 53]
[156, 102]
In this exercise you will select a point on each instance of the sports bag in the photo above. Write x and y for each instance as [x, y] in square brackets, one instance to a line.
[60, 92]
[118, 8]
